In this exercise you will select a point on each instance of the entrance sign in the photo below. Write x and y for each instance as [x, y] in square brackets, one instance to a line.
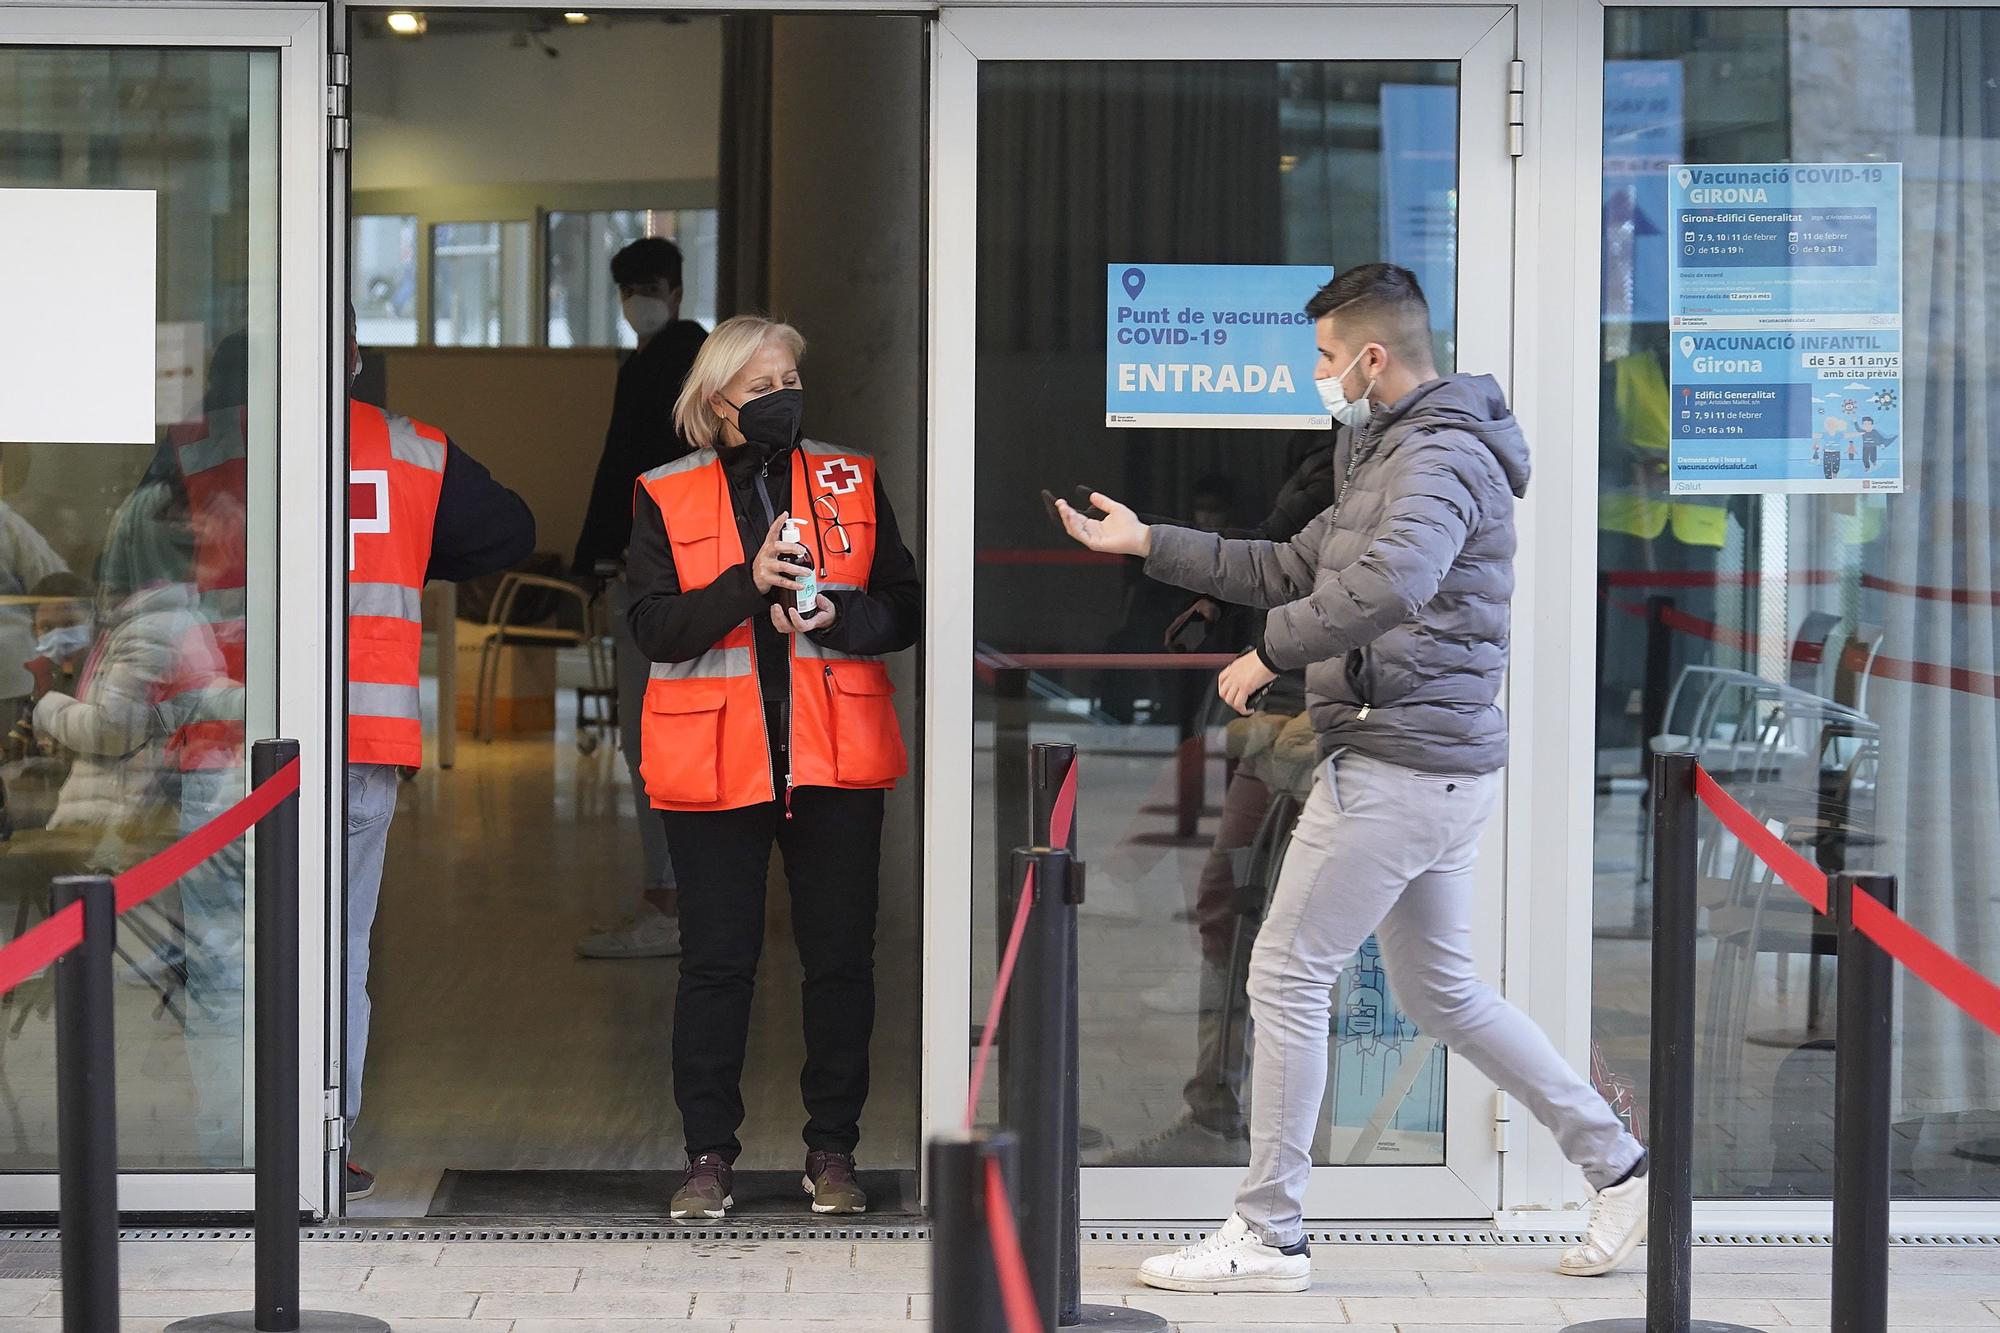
[1214, 345]
[1786, 315]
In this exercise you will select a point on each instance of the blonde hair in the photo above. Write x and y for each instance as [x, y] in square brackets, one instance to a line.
[723, 355]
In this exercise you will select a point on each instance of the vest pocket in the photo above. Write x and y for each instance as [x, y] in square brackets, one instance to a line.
[680, 751]
[867, 742]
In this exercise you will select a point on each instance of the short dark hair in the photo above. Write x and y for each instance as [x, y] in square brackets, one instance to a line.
[1868, 421]
[1382, 301]
[648, 259]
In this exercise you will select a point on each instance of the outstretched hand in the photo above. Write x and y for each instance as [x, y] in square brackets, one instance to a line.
[1119, 532]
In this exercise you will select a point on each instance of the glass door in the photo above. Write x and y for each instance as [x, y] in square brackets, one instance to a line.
[1087, 164]
[161, 343]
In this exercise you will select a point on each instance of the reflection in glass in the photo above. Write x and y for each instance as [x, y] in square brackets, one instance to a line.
[1190, 808]
[384, 272]
[122, 581]
[1831, 657]
[481, 290]
[583, 304]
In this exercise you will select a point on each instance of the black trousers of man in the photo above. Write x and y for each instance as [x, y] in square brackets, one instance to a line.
[832, 846]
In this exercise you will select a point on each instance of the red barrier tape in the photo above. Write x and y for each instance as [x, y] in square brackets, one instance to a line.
[41, 946]
[1961, 679]
[1017, 1294]
[1940, 969]
[1061, 818]
[155, 873]
[63, 931]
[1807, 880]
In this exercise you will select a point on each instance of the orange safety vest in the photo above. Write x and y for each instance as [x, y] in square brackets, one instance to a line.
[204, 691]
[395, 474]
[703, 743]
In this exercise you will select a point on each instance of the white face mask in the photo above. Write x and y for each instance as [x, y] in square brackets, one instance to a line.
[1354, 412]
[647, 314]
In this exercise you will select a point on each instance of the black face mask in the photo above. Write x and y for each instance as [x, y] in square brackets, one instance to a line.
[772, 420]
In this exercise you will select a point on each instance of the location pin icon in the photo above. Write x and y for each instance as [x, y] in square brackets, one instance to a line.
[1135, 282]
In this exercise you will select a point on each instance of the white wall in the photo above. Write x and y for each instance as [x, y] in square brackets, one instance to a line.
[628, 101]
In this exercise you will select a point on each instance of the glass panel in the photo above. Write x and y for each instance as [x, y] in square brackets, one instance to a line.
[1084, 165]
[583, 302]
[1829, 648]
[122, 575]
[384, 269]
[481, 284]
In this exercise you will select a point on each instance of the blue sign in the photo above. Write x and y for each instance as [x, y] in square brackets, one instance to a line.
[1420, 189]
[1785, 300]
[1643, 117]
[1212, 345]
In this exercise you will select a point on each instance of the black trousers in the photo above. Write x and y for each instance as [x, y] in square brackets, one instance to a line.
[832, 847]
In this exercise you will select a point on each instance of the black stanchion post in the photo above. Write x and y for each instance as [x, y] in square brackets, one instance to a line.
[1865, 1013]
[1042, 1026]
[965, 1282]
[87, 1108]
[1012, 779]
[275, 861]
[1670, 1225]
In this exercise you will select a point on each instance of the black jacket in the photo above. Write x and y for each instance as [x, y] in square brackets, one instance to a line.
[675, 626]
[481, 526]
[640, 438]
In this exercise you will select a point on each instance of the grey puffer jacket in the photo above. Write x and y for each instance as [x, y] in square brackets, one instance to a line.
[1395, 600]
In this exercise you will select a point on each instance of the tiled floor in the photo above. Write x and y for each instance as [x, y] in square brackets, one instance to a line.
[588, 1287]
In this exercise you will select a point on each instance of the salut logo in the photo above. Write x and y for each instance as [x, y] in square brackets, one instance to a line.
[367, 505]
[837, 477]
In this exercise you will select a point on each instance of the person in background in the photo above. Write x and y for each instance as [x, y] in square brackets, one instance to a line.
[642, 436]
[419, 508]
[1395, 603]
[764, 725]
[1213, 1130]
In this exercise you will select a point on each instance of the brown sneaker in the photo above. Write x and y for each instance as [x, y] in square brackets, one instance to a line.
[705, 1190]
[830, 1181]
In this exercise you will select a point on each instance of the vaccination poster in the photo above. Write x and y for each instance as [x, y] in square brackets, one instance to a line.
[1786, 316]
[1215, 345]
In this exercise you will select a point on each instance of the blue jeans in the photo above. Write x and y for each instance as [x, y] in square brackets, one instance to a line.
[371, 804]
[632, 669]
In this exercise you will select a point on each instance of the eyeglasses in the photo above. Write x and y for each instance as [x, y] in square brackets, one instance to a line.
[833, 537]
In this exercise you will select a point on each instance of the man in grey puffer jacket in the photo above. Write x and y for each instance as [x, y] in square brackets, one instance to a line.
[1395, 601]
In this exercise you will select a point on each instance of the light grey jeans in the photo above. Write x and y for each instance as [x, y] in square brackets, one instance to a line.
[371, 805]
[1386, 851]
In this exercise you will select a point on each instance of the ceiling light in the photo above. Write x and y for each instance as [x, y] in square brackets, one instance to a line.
[575, 18]
[405, 24]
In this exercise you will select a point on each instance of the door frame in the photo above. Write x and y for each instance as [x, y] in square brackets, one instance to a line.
[297, 653]
[1482, 38]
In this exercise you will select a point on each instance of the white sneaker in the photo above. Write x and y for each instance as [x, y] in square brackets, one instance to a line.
[650, 934]
[1233, 1259]
[1617, 1225]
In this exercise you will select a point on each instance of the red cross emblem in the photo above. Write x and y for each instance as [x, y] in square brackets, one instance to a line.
[837, 476]
[367, 505]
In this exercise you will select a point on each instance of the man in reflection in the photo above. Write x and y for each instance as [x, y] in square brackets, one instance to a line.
[1271, 750]
[1395, 602]
[641, 437]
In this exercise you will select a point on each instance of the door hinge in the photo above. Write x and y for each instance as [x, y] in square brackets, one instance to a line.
[338, 126]
[1503, 1117]
[1517, 107]
[336, 1123]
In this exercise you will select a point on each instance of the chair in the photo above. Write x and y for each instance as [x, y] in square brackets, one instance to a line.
[503, 630]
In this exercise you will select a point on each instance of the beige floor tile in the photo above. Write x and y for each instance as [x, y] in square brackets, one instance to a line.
[910, 1282]
[616, 1326]
[1537, 1282]
[466, 1277]
[1726, 1310]
[207, 1276]
[1905, 1307]
[692, 1275]
[585, 1304]
[882, 1305]
[1250, 1309]
[1456, 1310]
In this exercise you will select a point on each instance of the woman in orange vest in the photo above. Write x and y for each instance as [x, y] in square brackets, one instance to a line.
[763, 724]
